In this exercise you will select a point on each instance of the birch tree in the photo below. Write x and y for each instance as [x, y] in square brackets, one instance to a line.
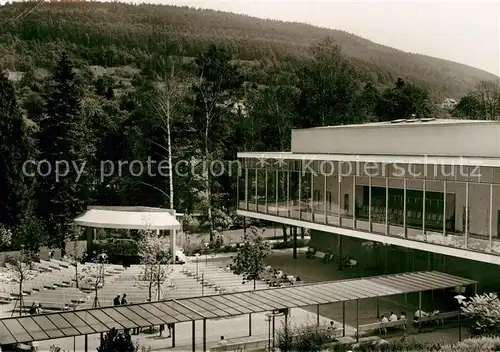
[215, 95]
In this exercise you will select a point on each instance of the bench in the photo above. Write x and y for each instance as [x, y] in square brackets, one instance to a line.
[319, 255]
[240, 346]
[381, 327]
[439, 317]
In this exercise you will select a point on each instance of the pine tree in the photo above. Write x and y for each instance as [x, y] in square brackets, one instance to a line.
[63, 138]
[15, 149]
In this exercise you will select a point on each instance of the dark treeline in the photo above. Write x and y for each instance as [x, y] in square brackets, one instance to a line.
[113, 34]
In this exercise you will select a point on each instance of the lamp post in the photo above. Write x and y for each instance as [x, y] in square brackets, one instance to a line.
[206, 253]
[460, 299]
[268, 319]
[197, 257]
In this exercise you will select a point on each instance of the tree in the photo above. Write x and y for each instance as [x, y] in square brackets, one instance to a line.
[329, 87]
[402, 101]
[215, 93]
[75, 254]
[20, 268]
[469, 107]
[482, 313]
[15, 149]
[63, 138]
[117, 342]
[97, 274]
[155, 257]
[249, 260]
[31, 235]
[482, 103]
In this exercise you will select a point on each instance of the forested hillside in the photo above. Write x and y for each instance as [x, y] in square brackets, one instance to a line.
[112, 34]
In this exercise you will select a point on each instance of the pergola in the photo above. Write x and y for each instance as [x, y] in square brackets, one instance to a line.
[130, 218]
[98, 320]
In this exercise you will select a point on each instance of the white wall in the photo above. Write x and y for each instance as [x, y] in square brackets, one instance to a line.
[463, 139]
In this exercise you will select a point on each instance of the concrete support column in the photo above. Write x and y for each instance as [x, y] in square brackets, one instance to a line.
[172, 245]
[294, 242]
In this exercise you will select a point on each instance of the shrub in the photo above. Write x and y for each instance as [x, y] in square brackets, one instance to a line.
[482, 313]
[303, 338]
[469, 345]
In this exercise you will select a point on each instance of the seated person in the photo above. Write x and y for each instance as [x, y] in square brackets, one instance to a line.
[384, 319]
[222, 342]
[402, 316]
[418, 314]
[332, 326]
[393, 317]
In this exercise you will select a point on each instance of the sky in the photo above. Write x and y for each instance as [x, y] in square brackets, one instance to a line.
[462, 31]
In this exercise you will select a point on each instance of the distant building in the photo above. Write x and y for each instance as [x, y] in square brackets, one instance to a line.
[449, 103]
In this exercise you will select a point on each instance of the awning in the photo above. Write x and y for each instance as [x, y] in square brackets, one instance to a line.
[130, 220]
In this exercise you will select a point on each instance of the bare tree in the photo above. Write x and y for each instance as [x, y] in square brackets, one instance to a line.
[76, 254]
[20, 269]
[155, 257]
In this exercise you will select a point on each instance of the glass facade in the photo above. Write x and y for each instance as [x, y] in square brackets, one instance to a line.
[453, 206]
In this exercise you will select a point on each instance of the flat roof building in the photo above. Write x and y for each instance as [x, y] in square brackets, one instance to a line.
[423, 184]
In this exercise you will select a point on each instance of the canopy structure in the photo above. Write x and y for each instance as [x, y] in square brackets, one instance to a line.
[98, 320]
[130, 218]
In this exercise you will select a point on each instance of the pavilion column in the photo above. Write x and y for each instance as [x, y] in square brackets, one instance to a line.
[172, 245]
[256, 190]
[444, 208]
[86, 343]
[193, 335]
[490, 225]
[378, 308]
[312, 197]
[173, 335]
[317, 315]
[249, 324]
[354, 201]
[294, 242]
[204, 334]
[288, 193]
[343, 318]
[325, 199]
[423, 209]
[246, 187]
[357, 320]
[420, 310]
[265, 199]
[300, 194]
[386, 205]
[370, 203]
[339, 191]
[89, 234]
[466, 230]
[405, 231]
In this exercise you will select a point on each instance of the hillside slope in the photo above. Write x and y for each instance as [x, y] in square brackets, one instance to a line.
[113, 34]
